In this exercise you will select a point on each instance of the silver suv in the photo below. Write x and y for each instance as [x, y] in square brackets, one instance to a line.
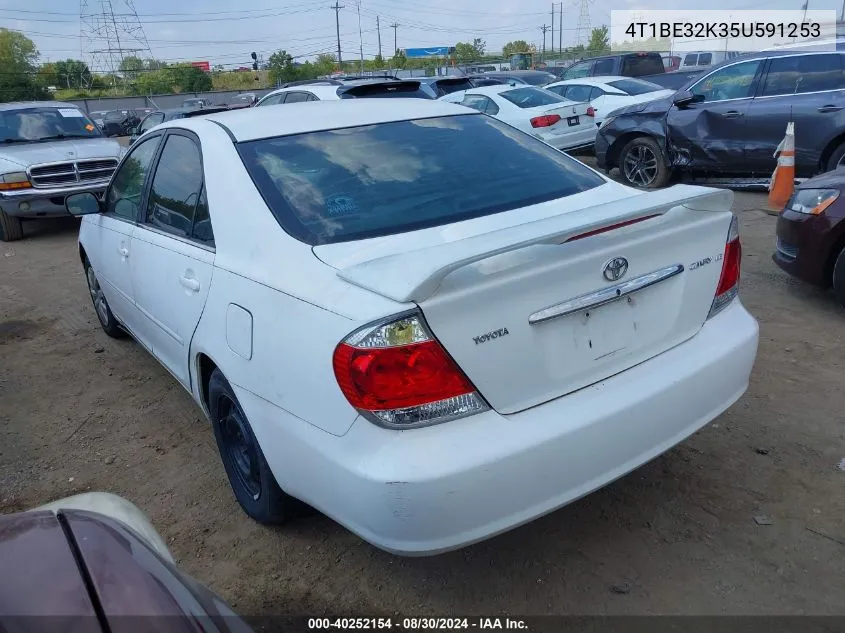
[48, 150]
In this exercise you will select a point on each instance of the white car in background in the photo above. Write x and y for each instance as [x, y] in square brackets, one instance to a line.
[417, 319]
[610, 93]
[298, 94]
[546, 115]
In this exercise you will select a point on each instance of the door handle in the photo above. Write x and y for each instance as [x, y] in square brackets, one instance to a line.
[124, 252]
[190, 283]
[830, 108]
[732, 114]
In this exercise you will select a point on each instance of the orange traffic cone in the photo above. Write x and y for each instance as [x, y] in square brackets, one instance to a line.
[783, 180]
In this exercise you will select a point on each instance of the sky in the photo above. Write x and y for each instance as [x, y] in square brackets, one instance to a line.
[224, 32]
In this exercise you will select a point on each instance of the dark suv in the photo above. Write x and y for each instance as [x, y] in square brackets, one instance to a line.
[729, 122]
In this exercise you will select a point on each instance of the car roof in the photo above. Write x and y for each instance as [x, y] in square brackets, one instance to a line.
[298, 118]
[590, 81]
[321, 91]
[20, 105]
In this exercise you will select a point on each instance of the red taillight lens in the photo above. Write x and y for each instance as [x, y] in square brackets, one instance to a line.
[547, 120]
[398, 375]
[591, 111]
[728, 287]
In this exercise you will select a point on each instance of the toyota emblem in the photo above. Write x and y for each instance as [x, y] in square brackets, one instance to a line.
[615, 269]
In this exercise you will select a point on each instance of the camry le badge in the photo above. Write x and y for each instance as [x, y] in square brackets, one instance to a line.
[615, 269]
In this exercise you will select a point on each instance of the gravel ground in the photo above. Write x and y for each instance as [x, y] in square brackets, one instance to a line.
[80, 411]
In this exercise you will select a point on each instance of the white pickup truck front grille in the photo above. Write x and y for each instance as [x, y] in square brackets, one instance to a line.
[72, 172]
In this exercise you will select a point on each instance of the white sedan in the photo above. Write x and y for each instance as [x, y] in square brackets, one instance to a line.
[551, 118]
[607, 94]
[417, 319]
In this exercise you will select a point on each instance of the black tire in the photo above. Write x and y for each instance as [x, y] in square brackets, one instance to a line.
[839, 278]
[101, 306]
[11, 228]
[836, 158]
[249, 475]
[642, 165]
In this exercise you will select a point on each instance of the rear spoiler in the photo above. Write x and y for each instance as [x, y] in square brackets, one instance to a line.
[413, 276]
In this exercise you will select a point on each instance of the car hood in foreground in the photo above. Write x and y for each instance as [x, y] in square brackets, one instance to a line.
[57, 151]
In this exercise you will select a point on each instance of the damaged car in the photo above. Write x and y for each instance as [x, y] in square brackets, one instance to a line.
[729, 123]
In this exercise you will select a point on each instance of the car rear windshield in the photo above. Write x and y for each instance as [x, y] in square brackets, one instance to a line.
[369, 181]
[538, 79]
[531, 97]
[634, 86]
[37, 124]
[639, 64]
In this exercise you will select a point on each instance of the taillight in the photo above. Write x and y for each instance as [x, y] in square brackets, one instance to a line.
[729, 279]
[547, 120]
[591, 111]
[399, 376]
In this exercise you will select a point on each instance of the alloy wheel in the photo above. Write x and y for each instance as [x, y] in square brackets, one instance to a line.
[640, 166]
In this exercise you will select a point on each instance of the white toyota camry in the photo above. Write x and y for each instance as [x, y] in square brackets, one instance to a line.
[425, 323]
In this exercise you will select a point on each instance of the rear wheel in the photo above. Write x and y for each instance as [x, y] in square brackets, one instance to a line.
[837, 159]
[249, 475]
[641, 164]
[839, 278]
[11, 228]
[101, 306]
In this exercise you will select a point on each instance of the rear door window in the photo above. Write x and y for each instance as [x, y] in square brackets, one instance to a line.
[705, 59]
[481, 103]
[796, 74]
[691, 59]
[581, 69]
[368, 181]
[531, 97]
[273, 99]
[296, 97]
[578, 92]
[604, 67]
[641, 64]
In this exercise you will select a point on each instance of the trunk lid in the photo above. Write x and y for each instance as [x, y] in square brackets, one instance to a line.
[529, 311]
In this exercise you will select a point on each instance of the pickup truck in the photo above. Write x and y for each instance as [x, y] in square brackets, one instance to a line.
[48, 150]
[643, 65]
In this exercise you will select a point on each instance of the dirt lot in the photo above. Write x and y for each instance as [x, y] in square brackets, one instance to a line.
[80, 411]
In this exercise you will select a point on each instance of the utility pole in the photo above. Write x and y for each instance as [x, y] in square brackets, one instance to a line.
[337, 7]
[360, 37]
[378, 28]
[560, 30]
[553, 28]
[394, 26]
[544, 29]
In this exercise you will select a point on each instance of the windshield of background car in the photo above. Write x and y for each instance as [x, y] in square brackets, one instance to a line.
[375, 180]
[531, 97]
[538, 79]
[33, 124]
[634, 86]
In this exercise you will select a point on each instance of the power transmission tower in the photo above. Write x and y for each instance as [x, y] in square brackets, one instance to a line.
[378, 28]
[582, 33]
[337, 7]
[544, 29]
[560, 31]
[394, 26]
[110, 31]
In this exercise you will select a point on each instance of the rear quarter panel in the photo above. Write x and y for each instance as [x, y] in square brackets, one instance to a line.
[297, 308]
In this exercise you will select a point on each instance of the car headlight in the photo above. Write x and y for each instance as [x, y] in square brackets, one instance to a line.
[14, 180]
[812, 201]
[607, 122]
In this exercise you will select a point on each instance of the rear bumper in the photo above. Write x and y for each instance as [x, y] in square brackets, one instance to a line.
[429, 490]
[44, 203]
[570, 140]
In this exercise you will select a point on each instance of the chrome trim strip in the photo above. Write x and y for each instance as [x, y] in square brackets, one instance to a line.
[605, 295]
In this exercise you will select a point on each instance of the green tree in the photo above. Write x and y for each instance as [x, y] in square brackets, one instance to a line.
[281, 67]
[325, 64]
[400, 60]
[131, 67]
[188, 78]
[73, 73]
[47, 76]
[480, 46]
[154, 64]
[599, 41]
[465, 52]
[18, 57]
[517, 46]
[154, 82]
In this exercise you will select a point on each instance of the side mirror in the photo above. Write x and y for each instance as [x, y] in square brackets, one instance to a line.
[83, 204]
[683, 98]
